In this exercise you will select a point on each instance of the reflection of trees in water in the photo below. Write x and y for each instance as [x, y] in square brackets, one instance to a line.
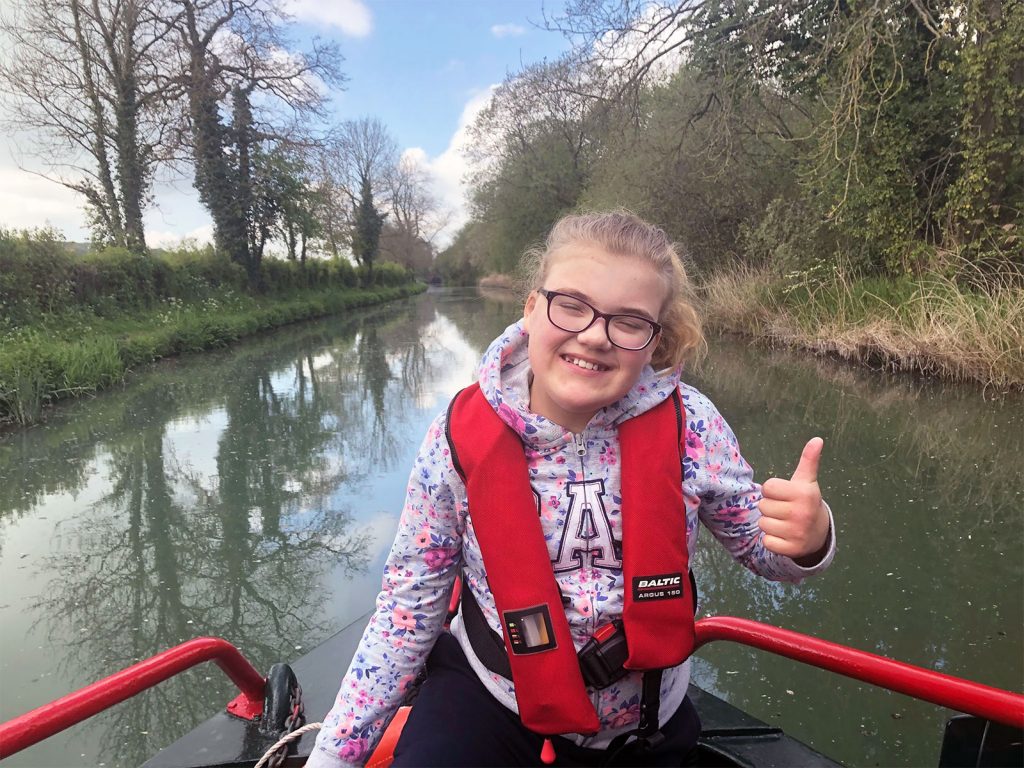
[164, 557]
[480, 317]
[722, 582]
[26, 477]
[375, 375]
[909, 468]
[59, 456]
[174, 550]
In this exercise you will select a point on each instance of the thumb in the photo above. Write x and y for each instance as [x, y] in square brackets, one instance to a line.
[807, 470]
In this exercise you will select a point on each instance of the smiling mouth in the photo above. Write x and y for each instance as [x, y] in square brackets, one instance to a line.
[584, 364]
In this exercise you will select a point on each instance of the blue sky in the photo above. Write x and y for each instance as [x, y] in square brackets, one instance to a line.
[422, 62]
[423, 67]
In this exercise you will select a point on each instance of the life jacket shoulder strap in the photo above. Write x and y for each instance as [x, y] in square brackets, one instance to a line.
[452, 448]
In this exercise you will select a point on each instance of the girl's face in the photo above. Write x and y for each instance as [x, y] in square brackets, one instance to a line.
[563, 390]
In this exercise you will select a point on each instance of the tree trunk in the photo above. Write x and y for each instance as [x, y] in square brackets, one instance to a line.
[107, 205]
[215, 179]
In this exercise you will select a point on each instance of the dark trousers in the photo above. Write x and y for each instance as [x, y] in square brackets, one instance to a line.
[456, 722]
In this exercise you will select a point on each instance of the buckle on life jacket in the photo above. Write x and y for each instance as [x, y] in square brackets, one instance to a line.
[603, 655]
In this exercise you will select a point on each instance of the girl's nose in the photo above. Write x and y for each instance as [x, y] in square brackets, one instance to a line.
[596, 335]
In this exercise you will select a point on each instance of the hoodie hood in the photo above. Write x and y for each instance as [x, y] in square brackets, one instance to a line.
[504, 377]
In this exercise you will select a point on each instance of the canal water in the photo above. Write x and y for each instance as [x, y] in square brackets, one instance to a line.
[252, 493]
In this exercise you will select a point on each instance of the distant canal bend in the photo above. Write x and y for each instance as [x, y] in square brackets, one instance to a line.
[252, 493]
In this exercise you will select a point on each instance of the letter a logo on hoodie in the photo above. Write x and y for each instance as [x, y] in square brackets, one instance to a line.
[587, 535]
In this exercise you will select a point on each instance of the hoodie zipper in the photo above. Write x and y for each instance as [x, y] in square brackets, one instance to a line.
[581, 450]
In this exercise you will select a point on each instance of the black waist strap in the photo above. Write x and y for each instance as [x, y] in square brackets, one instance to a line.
[487, 644]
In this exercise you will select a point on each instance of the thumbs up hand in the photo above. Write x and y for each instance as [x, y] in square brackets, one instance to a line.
[793, 517]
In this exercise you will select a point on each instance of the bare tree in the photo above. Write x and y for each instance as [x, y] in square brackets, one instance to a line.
[411, 201]
[84, 77]
[332, 205]
[844, 57]
[417, 218]
[532, 151]
[364, 156]
[563, 100]
[365, 152]
[629, 42]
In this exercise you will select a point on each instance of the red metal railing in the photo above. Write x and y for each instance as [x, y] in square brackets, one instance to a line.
[944, 690]
[45, 721]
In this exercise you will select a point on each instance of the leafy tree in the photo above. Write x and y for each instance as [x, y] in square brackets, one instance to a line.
[459, 263]
[989, 188]
[246, 62]
[532, 150]
[703, 177]
[784, 132]
[366, 227]
[299, 201]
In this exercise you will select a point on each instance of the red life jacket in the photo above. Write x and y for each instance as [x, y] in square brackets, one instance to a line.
[658, 602]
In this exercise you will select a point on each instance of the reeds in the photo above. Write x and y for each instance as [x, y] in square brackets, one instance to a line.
[934, 324]
[496, 281]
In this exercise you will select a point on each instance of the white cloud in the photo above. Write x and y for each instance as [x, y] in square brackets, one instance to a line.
[448, 170]
[507, 30]
[352, 17]
[28, 200]
[161, 238]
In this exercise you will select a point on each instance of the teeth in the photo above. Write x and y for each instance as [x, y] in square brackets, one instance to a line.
[585, 364]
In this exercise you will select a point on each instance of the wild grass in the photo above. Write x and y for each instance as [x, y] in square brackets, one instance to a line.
[960, 329]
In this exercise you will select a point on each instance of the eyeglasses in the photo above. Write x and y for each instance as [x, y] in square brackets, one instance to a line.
[574, 315]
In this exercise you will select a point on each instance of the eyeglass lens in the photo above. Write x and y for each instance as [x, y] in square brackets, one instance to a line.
[575, 315]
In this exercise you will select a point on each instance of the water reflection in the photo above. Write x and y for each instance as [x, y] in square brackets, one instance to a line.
[925, 480]
[253, 493]
[221, 494]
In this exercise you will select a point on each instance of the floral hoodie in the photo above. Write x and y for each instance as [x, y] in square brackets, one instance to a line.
[577, 479]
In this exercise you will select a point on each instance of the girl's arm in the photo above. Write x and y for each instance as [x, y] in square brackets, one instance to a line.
[411, 609]
[714, 470]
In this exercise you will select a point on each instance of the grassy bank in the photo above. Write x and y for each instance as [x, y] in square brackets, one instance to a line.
[71, 324]
[77, 353]
[932, 325]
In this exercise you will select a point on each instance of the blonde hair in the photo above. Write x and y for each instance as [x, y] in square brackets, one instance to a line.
[623, 233]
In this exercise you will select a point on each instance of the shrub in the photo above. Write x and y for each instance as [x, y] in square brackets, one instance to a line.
[385, 273]
[35, 274]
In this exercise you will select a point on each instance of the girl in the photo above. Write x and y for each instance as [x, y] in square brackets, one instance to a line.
[521, 487]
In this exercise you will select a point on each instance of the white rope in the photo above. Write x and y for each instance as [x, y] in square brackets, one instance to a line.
[288, 738]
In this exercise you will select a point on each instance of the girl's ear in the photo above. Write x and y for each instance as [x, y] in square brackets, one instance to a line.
[531, 303]
[653, 347]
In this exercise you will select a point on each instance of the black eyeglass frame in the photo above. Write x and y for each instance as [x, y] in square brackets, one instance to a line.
[608, 317]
